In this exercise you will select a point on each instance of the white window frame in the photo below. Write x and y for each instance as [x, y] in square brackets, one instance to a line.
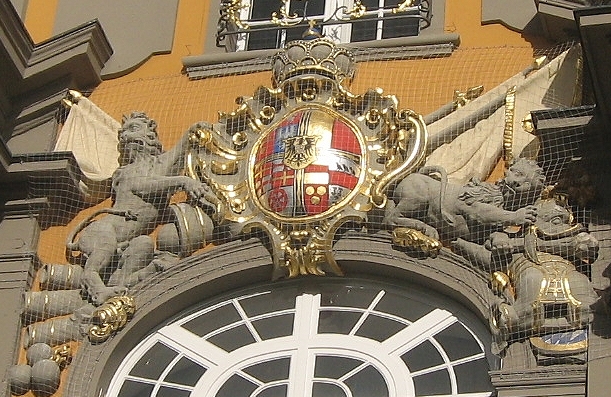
[302, 347]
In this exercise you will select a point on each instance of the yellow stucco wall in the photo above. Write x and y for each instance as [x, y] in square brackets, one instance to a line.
[39, 19]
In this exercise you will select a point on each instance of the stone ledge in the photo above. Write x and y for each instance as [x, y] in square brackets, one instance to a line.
[215, 65]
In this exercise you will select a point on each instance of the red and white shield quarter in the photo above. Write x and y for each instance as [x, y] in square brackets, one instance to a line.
[308, 164]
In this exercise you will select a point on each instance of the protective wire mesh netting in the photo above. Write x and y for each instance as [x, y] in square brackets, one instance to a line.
[505, 192]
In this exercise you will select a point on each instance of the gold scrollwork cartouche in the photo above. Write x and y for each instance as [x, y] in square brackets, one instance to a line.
[313, 156]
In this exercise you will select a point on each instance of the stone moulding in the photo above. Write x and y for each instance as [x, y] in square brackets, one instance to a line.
[214, 65]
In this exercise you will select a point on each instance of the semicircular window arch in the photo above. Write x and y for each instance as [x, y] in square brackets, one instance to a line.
[340, 339]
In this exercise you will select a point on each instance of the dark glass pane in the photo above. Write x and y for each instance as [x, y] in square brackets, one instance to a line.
[334, 322]
[233, 339]
[400, 27]
[367, 383]
[264, 39]
[379, 328]
[185, 372]
[327, 390]
[316, 7]
[153, 362]
[169, 392]
[267, 303]
[275, 391]
[261, 10]
[425, 355]
[135, 389]
[437, 382]
[295, 33]
[473, 376]
[236, 386]
[363, 30]
[334, 367]
[370, 4]
[275, 327]
[270, 371]
[348, 296]
[213, 320]
[458, 342]
[311, 7]
[401, 307]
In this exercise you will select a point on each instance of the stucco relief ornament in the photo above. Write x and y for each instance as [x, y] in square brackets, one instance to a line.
[306, 156]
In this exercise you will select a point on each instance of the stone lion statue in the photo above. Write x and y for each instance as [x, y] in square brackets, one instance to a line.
[147, 176]
[448, 211]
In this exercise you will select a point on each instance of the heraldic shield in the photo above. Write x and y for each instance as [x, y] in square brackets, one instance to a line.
[307, 165]
[305, 157]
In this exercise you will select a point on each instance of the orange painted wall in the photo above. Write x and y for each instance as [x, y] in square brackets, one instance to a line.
[464, 17]
[39, 19]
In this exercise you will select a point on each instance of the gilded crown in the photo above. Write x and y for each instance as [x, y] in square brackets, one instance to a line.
[319, 56]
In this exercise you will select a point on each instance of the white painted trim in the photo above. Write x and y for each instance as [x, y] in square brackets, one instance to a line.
[302, 348]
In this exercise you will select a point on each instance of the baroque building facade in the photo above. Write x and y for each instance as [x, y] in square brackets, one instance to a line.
[299, 198]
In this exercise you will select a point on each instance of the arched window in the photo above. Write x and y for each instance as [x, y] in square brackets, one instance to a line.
[345, 338]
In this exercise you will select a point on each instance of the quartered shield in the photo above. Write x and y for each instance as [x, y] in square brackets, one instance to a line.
[308, 164]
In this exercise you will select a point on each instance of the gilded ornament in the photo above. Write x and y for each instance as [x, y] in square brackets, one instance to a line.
[357, 11]
[403, 6]
[62, 355]
[315, 156]
[527, 123]
[462, 98]
[283, 18]
[414, 239]
[230, 11]
[111, 317]
[266, 115]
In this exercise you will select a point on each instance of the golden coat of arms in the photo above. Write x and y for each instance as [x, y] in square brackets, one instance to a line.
[304, 157]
